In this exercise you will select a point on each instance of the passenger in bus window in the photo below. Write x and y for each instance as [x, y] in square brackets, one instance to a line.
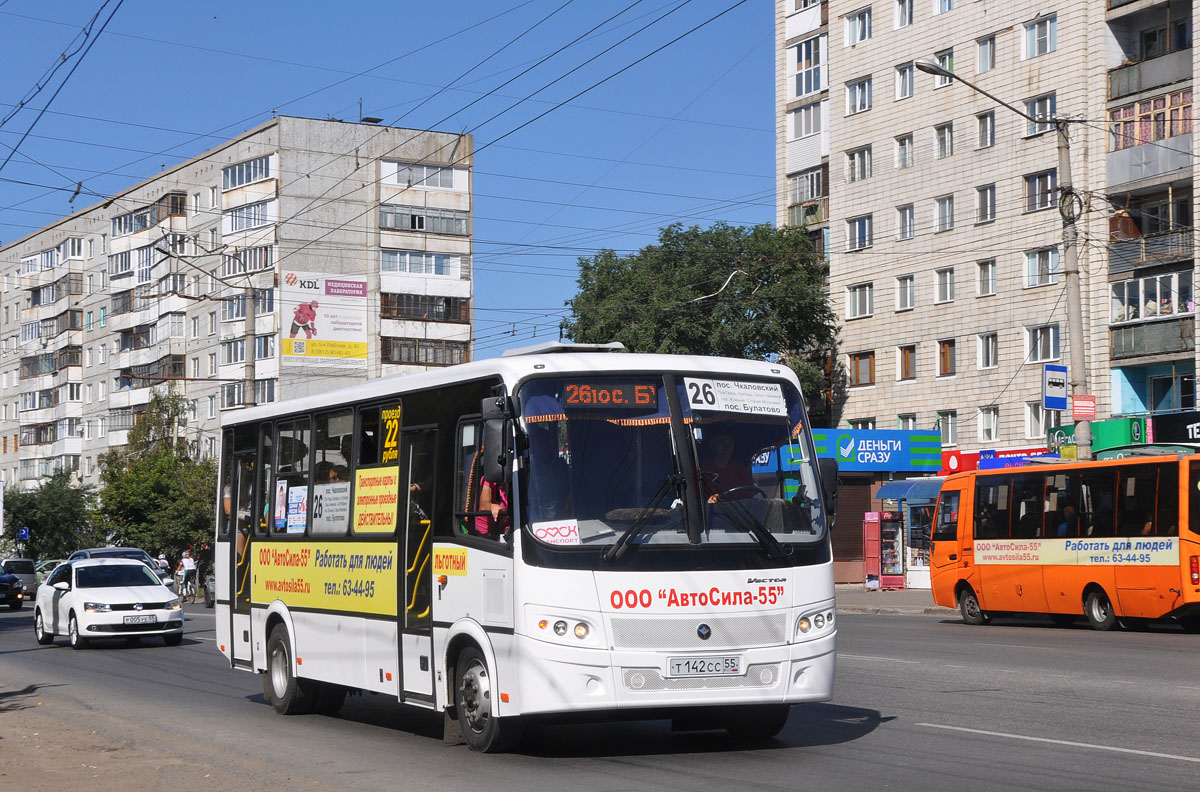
[1070, 525]
[492, 499]
[722, 472]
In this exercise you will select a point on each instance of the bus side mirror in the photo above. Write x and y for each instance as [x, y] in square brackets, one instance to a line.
[497, 458]
[828, 469]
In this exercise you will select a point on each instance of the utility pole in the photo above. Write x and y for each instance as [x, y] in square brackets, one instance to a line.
[1068, 208]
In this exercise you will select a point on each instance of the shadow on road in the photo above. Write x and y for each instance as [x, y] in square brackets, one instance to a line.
[15, 700]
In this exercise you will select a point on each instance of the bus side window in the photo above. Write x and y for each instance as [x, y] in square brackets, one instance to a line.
[946, 527]
[1097, 516]
[1193, 497]
[1135, 516]
[265, 468]
[991, 507]
[467, 474]
[1028, 505]
[292, 467]
[1167, 516]
[227, 519]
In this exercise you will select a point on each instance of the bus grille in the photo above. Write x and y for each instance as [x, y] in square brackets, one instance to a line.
[651, 680]
[728, 632]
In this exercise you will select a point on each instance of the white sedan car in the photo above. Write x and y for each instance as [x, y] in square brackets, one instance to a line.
[106, 598]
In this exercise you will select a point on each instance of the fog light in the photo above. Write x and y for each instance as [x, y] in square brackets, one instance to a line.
[581, 631]
[560, 627]
[819, 621]
[804, 625]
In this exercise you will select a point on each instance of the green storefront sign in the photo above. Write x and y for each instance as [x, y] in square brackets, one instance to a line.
[1105, 434]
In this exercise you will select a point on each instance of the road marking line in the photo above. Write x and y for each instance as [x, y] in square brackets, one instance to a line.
[1071, 743]
[878, 659]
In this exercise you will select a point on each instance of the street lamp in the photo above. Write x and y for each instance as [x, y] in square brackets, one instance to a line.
[1067, 208]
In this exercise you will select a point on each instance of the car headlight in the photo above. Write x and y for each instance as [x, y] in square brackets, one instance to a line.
[173, 605]
[96, 607]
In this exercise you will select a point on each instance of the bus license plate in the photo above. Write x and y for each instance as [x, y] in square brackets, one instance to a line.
[147, 619]
[705, 666]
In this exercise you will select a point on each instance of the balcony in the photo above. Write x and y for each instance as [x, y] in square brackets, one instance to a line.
[1128, 254]
[1147, 165]
[1176, 336]
[1154, 73]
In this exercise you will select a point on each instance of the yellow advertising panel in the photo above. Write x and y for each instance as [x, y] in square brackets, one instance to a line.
[376, 493]
[325, 350]
[359, 577]
[450, 561]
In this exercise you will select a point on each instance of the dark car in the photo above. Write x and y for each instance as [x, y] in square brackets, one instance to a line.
[210, 589]
[127, 552]
[11, 592]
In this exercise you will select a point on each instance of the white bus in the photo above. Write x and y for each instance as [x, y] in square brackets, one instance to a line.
[561, 530]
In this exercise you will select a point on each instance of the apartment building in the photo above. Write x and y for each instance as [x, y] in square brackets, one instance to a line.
[938, 207]
[349, 244]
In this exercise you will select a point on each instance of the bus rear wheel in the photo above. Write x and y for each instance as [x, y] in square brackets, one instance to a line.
[968, 606]
[280, 686]
[1099, 610]
[757, 723]
[481, 729]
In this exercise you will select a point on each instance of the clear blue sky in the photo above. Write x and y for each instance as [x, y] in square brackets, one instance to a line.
[686, 135]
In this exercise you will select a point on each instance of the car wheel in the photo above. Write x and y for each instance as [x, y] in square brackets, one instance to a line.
[173, 639]
[481, 729]
[757, 722]
[968, 606]
[77, 640]
[1099, 610]
[39, 630]
[280, 686]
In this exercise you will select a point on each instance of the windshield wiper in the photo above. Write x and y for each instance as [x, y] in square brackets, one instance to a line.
[672, 482]
[743, 520]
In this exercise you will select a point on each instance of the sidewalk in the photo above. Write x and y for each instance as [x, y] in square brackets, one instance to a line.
[853, 598]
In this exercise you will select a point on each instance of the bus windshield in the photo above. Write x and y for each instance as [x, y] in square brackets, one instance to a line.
[605, 470]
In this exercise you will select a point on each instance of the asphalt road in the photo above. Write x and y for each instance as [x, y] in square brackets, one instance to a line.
[923, 702]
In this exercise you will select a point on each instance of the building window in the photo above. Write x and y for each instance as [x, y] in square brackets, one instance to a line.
[862, 369]
[423, 307]
[858, 232]
[986, 123]
[250, 260]
[947, 363]
[906, 421]
[1043, 343]
[419, 218]
[807, 185]
[418, 263]
[1151, 297]
[945, 285]
[422, 352]
[904, 151]
[943, 213]
[906, 293]
[246, 172]
[858, 164]
[1041, 190]
[985, 52]
[987, 277]
[943, 140]
[414, 174]
[987, 350]
[903, 13]
[906, 221]
[1039, 421]
[1043, 108]
[808, 66]
[906, 360]
[985, 203]
[862, 424]
[860, 300]
[1041, 266]
[858, 96]
[242, 218]
[858, 26]
[233, 351]
[989, 419]
[948, 423]
[1041, 36]
[806, 121]
[1150, 120]
[905, 79]
[945, 59]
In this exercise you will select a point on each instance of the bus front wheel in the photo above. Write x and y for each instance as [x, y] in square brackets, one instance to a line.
[280, 686]
[1099, 610]
[968, 606]
[481, 729]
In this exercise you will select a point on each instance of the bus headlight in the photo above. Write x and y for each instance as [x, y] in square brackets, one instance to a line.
[804, 625]
[814, 622]
[581, 631]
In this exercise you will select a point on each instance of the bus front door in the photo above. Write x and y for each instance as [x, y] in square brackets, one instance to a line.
[243, 487]
[417, 450]
[953, 547]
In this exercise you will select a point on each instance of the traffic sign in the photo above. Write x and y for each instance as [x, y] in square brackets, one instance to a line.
[22, 534]
[1054, 387]
[1083, 408]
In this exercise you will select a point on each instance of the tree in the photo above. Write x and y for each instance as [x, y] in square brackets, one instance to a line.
[155, 494]
[58, 515]
[734, 291]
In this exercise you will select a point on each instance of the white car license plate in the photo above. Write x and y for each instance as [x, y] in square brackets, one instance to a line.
[705, 666]
[149, 618]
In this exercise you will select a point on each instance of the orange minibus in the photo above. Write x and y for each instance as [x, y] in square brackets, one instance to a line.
[1117, 541]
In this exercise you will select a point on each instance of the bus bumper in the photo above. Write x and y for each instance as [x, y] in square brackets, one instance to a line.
[568, 679]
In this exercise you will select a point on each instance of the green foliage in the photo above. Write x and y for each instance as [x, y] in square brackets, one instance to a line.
[154, 494]
[58, 515]
[733, 291]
